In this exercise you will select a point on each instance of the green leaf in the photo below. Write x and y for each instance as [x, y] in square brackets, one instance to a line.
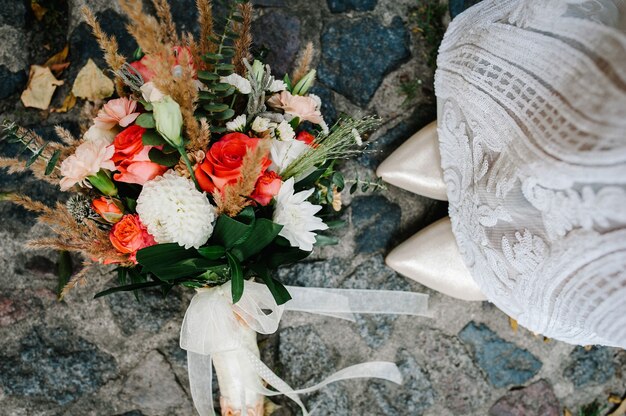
[152, 138]
[64, 270]
[286, 256]
[206, 96]
[228, 231]
[163, 159]
[214, 57]
[336, 224]
[146, 120]
[353, 188]
[122, 273]
[126, 288]
[287, 82]
[212, 252]
[131, 204]
[52, 162]
[183, 268]
[236, 275]
[208, 76]
[155, 256]
[215, 107]
[338, 181]
[224, 115]
[221, 87]
[295, 122]
[35, 155]
[279, 292]
[263, 233]
[325, 240]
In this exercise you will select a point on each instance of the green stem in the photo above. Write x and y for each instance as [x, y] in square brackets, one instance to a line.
[185, 158]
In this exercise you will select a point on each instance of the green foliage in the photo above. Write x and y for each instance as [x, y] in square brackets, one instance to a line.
[592, 409]
[146, 120]
[64, 270]
[29, 143]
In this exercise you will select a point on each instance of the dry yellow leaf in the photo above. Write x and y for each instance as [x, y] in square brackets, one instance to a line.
[513, 324]
[614, 398]
[92, 84]
[566, 412]
[68, 104]
[38, 10]
[58, 62]
[620, 411]
[41, 87]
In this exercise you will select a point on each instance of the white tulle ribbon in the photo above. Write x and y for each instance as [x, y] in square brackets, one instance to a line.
[212, 326]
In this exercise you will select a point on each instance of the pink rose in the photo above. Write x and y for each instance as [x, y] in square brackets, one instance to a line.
[266, 188]
[119, 111]
[303, 107]
[131, 158]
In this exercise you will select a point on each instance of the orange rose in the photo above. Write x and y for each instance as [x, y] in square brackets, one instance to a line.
[266, 188]
[222, 164]
[107, 209]
[129, 235]
[131, 157]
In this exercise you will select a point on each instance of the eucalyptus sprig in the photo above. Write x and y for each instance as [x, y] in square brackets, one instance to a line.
[28, 141]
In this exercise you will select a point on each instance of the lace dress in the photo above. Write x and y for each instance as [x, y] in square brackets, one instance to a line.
[532, 130]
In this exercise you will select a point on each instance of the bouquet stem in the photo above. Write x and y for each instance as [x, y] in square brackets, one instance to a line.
[234, 373]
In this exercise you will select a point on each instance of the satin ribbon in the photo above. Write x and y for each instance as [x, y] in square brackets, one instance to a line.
[211, 326]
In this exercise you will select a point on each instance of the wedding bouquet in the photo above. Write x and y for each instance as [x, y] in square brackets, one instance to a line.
[206, 172]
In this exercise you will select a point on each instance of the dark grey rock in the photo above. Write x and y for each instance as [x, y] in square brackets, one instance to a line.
[303, 356]
[331, 400]
[55, 364]
[351, 55]
[326, 273]
[340, 6]
[132, 413]
[504, 363]
[12, 13]
[457, 381]
[269, 3]
[328, 107]
[459, 6]
[592, 367]
[412, 398]
[376, 220]
[279, 33]
[11, 82]
[16, 306]
[148, 314]
[536, 399]
[373, 273]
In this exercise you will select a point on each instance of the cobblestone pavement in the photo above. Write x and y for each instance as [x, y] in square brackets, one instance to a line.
[114, 356]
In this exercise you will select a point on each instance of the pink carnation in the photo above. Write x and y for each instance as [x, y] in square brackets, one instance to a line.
[306, 108]
[119, 111]
[86, 161]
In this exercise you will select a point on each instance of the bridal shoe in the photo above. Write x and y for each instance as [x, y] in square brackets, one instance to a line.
[432, 258]
[416, 165]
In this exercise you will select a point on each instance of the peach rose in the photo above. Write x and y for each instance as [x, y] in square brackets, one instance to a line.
[144, 65]
[131, 158]
[222, 164]
[129, 235]
[119, 111]
[266, 188]
[107, 209]
[305, 108]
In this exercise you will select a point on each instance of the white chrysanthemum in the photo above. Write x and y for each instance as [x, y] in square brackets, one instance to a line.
[283, 131]
[174, 211]
[277, 85]
[297, 216]
[239, 82]
[283, 153]
[261, 124]
[237, 124]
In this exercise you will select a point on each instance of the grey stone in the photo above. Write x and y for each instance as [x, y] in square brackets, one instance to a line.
[15, 307]
[413, 397]
[457, 381]
[504, 363]
[459, 6]
[279, 33]
[331, 400]
[11, 82]
[148, 314]
[327, 273]
[152, 385]
[13, 54]
[537, 399]
[592, 367]
[373, 273]
[351, 55]
[303, 356]
[376, 220]
[55, 364]
[12, 13]
[340, 6]
[328, 107]
[269, 3]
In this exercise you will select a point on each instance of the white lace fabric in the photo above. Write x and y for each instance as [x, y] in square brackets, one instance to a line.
[532, 130]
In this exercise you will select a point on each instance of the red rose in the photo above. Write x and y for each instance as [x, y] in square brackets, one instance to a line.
[107, 209]
[306, 137]
[266, 188]
[222, 164]
[129, 235]
[131, 157]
